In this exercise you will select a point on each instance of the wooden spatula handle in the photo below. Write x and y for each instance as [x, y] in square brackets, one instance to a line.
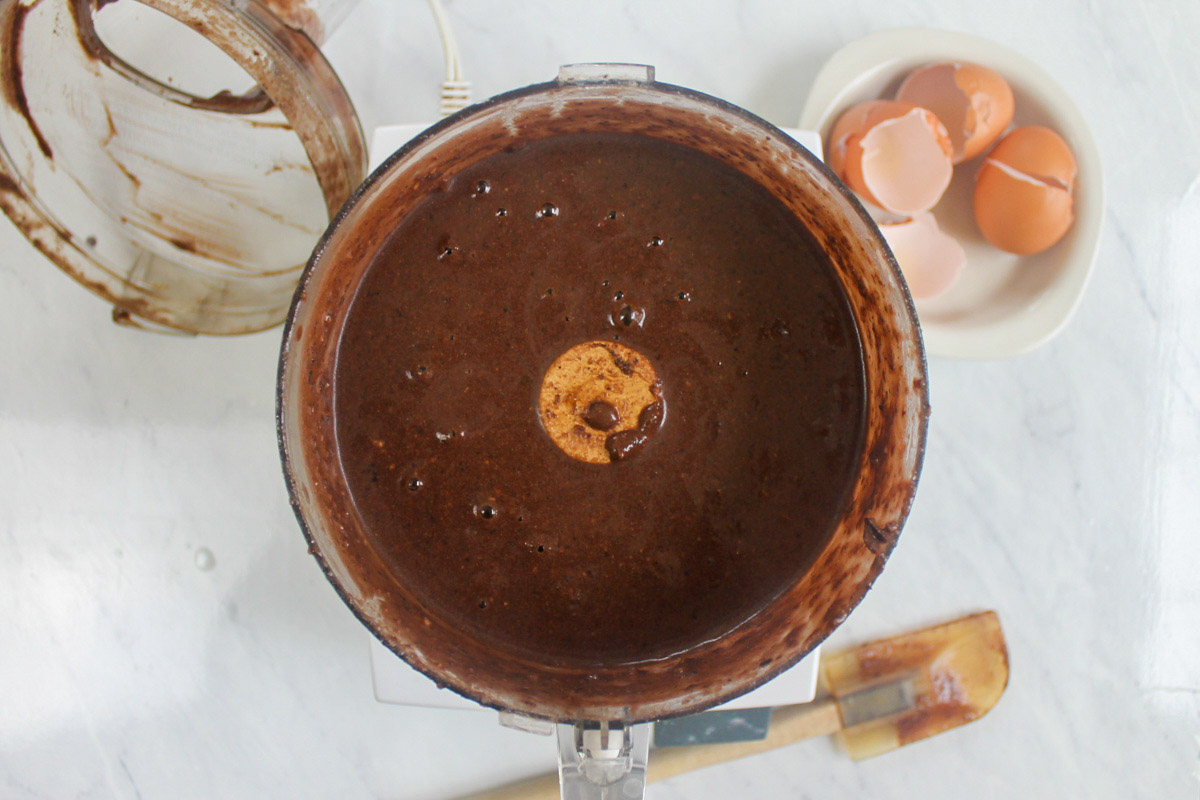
[788, 724]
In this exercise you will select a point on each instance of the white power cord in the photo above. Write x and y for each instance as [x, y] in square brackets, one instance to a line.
[456, 92]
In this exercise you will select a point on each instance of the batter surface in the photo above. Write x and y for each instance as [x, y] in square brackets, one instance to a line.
[745, 462]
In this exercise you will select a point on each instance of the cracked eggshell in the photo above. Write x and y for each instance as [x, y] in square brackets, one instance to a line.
[1002, 305]
[930, 260]
[898, 156]
[1024, 193]
[973, 102]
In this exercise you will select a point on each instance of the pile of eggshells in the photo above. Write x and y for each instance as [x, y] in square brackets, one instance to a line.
[899, 156]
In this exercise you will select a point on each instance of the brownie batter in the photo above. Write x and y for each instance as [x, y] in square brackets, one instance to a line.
[710, 503]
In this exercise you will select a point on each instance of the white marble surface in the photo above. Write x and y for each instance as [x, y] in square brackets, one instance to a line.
[1058, 487]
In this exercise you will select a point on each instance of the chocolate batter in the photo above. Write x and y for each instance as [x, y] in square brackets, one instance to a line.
[741, 467]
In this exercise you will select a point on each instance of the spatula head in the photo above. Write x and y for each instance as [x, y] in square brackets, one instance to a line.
[951, 674]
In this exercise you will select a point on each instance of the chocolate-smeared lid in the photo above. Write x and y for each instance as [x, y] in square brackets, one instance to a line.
[179, 158]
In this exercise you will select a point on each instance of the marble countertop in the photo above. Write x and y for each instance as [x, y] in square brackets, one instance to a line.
[165, 635]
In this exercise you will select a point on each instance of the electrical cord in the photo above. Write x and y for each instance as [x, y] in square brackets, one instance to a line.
[456, 92]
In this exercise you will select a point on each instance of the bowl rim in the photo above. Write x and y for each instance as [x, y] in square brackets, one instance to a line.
[879, 551]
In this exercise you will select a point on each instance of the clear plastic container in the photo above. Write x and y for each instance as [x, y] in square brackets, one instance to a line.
[180, 158]
[602, 705]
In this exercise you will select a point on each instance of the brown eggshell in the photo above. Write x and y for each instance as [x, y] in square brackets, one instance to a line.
[850, 122]
[854, 123]
[973, 102]
[930, 259]
[1024, 191]
[1038, 152]
[850, 154]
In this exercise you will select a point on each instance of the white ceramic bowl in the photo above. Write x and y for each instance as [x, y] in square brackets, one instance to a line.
[1002, 305]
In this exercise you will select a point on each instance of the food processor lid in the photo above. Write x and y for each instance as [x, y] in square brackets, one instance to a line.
[187, 179]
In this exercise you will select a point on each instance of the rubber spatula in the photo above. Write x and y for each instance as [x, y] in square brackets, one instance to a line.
[878, 697]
